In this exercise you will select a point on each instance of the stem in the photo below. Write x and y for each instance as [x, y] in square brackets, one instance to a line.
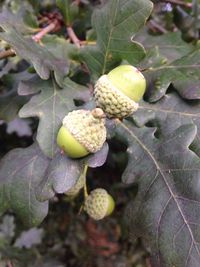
[178, 2]
[88, 42]
[36, 38]
[85, 193]
[7, 53]
[44, 31]
[195, 8]
[157, 26]
[85, 184]
[73, 36]
[9, 264]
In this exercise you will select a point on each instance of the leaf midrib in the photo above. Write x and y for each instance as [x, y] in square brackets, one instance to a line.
[172, 195]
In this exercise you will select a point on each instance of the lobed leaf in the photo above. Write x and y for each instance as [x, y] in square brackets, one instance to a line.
[166, 209]
[43, 61]
[63, 172]
[21, 170]
[183, 72]
[50, 105]
[115, 24]
[170, 113]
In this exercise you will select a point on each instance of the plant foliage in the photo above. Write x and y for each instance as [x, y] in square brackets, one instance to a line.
[47, 79]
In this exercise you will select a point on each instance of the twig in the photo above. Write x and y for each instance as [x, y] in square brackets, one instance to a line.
[9, 264]
[73, 36]
[148, 263]
[44, 31]
[7, 53]
[37, 37]
[178, 2]
[157, 26]
[77, 2]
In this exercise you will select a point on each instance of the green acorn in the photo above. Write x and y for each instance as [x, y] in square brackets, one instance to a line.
[73, 192]
[99, 204]
[119, 92]
[82, 132]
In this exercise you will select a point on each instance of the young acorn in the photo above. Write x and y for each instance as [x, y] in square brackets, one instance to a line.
[73, 192]
[83, 132]
[99, 204]
[119, 92]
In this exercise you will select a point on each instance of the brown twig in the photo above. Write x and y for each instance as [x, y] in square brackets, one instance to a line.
[77, 2]
[9, 264]
[37, 37]
[148, 263]
[178, 2]
[157, 26]
[73, 36]
[7, 53]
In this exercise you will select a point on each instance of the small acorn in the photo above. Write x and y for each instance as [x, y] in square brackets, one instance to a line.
[83, 132]
[73, 192]
[119, 92]
[99, 204]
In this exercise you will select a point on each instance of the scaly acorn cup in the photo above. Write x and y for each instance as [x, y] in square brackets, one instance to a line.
[119, 92]
[83, 132]
[99, 204]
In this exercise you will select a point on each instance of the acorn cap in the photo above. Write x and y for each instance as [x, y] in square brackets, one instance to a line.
[84, 127]
[113, 102]
[99, 204]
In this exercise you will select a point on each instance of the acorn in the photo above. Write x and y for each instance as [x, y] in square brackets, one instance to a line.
[119, 92]
[73, 192]
[99, 204]
[82, 132]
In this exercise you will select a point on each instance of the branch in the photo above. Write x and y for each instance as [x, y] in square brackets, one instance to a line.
[9, 264]
[44, 31]
[157, 26]
[37, 37]
[73, 36]
[7, 53]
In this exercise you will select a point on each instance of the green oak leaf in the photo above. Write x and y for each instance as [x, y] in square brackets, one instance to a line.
[43, 60]
[63, 172]
[115, 24]
[168, 114]
[50, 105]
[166, 209]
[183, 73]
[64, 7]
[61, 176]
[10, 97]
[21, 170]
[170, 45]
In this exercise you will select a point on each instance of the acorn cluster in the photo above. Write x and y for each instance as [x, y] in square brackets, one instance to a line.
[83, 131]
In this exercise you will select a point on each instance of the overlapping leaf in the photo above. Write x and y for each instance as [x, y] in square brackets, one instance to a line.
[170, 113]
[63, 172]
[170, 45]
[42, 60]
[166, 209]
[10, 97]
[183, 72]
[18, 182]
[50, 105]
[115, 24]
